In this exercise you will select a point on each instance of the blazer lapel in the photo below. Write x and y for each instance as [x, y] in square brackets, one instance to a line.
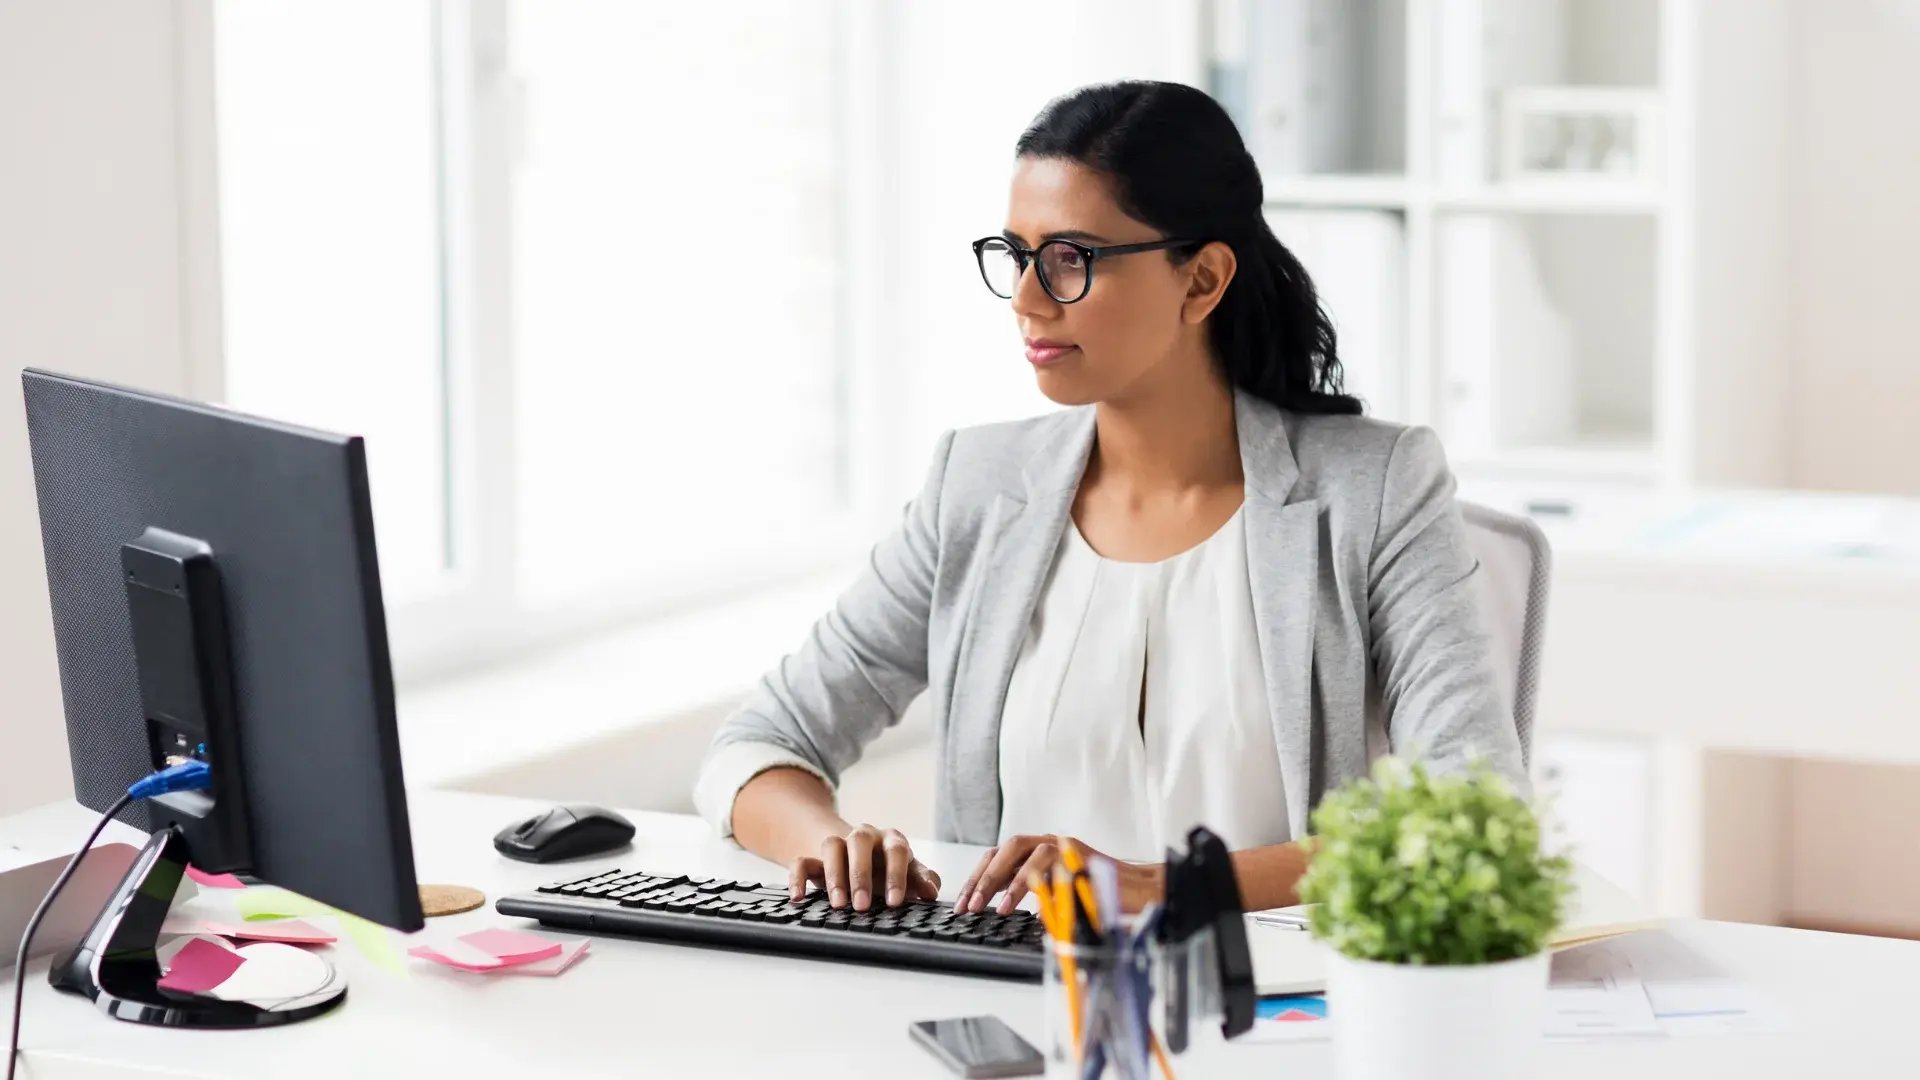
[1283, 565]
[1018, 550]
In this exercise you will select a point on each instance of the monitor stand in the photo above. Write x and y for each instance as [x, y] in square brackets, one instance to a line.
[118, 962]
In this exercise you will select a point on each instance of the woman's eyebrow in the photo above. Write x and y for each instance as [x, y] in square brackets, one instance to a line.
[1081, 235]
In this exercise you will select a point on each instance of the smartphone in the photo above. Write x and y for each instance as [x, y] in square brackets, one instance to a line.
[979, 1046]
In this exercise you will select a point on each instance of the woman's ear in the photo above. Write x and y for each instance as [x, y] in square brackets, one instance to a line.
[1210, 271]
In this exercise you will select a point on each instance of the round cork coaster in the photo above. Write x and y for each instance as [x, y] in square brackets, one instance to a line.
[449, 899]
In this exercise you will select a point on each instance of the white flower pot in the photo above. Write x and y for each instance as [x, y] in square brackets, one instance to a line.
[1451, 1022]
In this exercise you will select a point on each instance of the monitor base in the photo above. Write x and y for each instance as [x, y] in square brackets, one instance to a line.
[118, 963]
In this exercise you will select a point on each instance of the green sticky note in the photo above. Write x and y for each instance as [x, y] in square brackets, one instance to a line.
[273, 902]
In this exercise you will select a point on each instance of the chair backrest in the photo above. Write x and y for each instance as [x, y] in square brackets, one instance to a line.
[1515, 563]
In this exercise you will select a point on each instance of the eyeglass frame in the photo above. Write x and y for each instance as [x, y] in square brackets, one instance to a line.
[1027, 255]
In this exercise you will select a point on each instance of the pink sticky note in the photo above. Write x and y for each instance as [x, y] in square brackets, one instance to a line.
[512, 946]
[460, 956]
[463, 959]
[200, 966]
[214, 881]
[285, 931]
[1297, 1016]
[570, 952]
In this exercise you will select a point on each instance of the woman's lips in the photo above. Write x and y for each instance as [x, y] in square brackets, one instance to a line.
[1042, 353]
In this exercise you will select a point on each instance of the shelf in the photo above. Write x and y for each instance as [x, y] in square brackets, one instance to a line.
[1553, 199]
[1355, 191]
[1316, 89]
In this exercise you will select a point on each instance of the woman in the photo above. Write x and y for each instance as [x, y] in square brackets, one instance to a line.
[1207, 592]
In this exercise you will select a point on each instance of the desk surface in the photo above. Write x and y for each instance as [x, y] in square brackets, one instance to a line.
[632, 1008]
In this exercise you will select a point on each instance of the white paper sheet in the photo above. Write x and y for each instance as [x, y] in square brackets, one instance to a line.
[1591, 996]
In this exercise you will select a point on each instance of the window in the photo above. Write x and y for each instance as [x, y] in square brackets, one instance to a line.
[575, 270]
[329, 207]
[674, 272]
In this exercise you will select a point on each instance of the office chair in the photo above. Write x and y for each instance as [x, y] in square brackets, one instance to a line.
[1514, 564]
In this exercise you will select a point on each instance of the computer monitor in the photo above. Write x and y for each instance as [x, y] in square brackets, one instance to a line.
[216, 594]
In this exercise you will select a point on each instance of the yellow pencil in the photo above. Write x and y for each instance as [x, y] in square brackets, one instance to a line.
[1071, 856]
[1063, 945]
[1043, 900]
[1081, 886]
[1160, 1055]
[1077, 866]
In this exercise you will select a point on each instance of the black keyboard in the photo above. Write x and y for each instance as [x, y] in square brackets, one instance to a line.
[753, 915]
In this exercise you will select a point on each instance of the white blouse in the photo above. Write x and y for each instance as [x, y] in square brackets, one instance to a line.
[1079, 756]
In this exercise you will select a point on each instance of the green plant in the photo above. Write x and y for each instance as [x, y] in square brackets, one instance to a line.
[1409, 868]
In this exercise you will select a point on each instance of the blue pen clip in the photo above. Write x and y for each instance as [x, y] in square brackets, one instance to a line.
[1139, 984]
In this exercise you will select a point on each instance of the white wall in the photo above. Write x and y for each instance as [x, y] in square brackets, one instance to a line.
[1855, 190]
[94, 266]
[973, 76]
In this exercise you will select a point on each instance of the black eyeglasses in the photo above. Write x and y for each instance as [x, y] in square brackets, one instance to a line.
[1065, 267]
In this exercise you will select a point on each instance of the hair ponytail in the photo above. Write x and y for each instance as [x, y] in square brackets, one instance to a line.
[1178, 164]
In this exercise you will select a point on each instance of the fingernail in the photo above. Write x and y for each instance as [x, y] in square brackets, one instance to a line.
[895, 895]
[839, 897]
[793, 893]
[1006, 904]
[860, 899]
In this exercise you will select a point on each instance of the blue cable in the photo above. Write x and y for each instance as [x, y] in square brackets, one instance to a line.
[186, 776]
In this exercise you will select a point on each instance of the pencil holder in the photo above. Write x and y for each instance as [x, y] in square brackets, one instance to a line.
[1188, 1010]
[1104, 1016]
[1081, 991]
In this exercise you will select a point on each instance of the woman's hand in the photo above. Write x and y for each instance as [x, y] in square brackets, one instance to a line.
[863, 862]
[1007, 866]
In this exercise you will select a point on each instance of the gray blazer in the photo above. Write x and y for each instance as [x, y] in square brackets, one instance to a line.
[1361, 580]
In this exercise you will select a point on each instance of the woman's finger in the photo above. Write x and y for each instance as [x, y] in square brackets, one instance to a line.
[923, 882]
[973, 879]
[862, 844]
[1008, 857]
[899, 857]
[1043, 857]
[833, 860]
[1037, 863]
[803, 872]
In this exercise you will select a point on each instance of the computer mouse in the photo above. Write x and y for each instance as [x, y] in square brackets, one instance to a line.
[564, 832]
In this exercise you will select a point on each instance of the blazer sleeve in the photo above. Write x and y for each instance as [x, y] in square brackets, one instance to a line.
[1431, 651]
[859, 668]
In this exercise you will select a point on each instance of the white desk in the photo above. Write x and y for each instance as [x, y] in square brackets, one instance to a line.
[636, 1008]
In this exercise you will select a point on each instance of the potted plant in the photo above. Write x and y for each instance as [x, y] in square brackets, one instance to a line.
[1437, 901]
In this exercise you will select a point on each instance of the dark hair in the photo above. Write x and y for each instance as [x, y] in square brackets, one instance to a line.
[1178, 164]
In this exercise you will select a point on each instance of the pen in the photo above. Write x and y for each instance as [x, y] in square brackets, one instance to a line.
[1281, 920]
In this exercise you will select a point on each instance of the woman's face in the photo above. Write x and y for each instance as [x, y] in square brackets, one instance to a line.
[1143, 315]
